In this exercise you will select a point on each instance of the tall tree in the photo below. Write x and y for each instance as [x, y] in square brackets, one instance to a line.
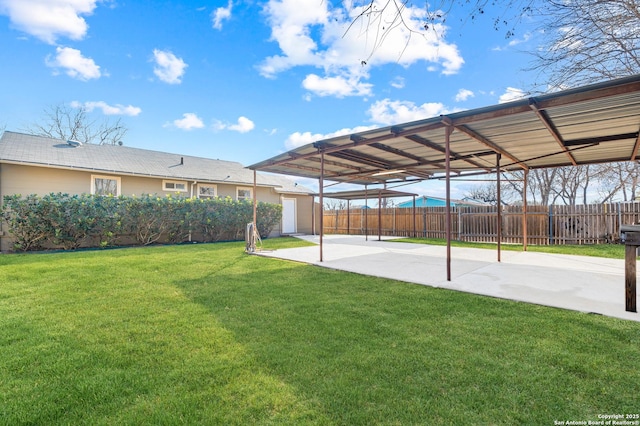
[68, 123]
[379, 18]
[618, 179]
[587, 40]
[573, 183]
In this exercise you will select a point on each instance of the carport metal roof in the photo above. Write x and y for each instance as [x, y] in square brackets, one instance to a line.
[591, 124]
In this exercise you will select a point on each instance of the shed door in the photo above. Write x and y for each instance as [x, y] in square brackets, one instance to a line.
[289, 216]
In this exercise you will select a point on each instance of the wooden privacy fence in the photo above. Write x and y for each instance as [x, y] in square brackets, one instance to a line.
[582, 224]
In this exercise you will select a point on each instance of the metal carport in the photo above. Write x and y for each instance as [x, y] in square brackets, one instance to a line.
[592, 124]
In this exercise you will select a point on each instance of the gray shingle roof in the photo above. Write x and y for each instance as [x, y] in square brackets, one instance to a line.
[43, 151]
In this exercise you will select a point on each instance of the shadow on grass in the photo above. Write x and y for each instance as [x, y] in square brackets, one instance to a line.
[365, 350]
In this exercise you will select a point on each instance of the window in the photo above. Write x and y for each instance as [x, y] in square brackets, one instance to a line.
[105, 185]
[244, 194]
[174, 186]
[207, 191]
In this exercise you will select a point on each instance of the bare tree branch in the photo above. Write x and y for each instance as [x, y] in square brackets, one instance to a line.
[586, 41]
[379, 18]
[69, 123]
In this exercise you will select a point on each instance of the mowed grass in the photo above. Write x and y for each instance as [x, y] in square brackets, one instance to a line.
[612, 251]
[205, 334]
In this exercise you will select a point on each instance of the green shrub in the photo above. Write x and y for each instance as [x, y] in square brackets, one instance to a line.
[69, 219]
[24, 218]
[268, 216]
[72, 221]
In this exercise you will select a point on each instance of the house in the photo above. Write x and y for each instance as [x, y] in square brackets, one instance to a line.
[40, 165]
[428, 201]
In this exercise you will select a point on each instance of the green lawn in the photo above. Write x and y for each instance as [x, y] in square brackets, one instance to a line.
[614, 251]
[205, 334]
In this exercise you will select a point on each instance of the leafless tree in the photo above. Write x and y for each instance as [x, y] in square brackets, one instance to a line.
[541, 184]
[68, 123]
[334, 204]
[379, 18]
[587, 40]
[488, 192]
[618, 179]
[572, 182]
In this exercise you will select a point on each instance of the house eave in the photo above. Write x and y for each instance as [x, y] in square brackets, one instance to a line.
[134, 174]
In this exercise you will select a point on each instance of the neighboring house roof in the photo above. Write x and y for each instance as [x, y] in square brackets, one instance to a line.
[19, 148]
[428, 201]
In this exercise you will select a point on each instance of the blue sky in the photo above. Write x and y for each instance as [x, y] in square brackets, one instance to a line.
[244, 80]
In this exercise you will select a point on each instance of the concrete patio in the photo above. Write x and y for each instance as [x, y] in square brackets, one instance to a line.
[579, 283]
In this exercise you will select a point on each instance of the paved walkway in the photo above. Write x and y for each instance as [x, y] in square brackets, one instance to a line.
[580, 283]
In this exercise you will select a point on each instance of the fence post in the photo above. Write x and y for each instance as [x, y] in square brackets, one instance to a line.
[424, 223]
[551, 224]
[394, 221]
[617, 229]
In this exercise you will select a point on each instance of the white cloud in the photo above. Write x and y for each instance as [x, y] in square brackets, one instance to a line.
[512, 94]
[398, 83]
[168, 68]
[514, 42]
[338, 86]
[243, 125]
[388, 112]
[220, 15]
[312, 33]
[463, 95]
[75, 65]
[189, 121]
[49, 19]
[107, 109]
[299, 139]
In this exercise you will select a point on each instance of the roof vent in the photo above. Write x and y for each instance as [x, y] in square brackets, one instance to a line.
[74, 143]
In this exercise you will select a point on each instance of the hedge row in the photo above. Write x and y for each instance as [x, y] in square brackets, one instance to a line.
[63, 221]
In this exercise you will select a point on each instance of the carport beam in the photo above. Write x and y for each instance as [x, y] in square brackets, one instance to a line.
[366, 214]
[255, 201]
[379, 215]
[321, 185]
[447, 137]
[524, 210]
[499, 210]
